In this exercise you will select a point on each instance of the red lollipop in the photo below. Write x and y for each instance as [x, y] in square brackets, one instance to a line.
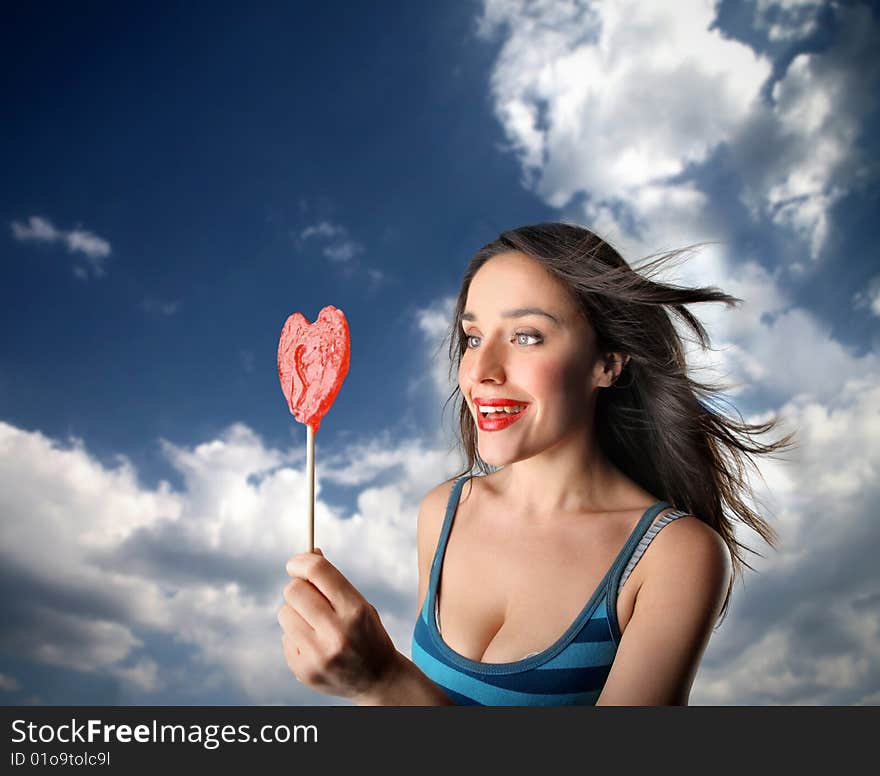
[312, 363]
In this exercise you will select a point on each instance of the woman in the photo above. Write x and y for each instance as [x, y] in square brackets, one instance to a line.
[604, 470]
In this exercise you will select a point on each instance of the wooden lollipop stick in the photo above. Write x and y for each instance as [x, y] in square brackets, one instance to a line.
[310, 478]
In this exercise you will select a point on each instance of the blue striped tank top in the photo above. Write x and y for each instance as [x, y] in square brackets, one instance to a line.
[572, 671]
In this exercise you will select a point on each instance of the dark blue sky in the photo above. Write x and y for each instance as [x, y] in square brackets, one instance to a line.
[200, 142]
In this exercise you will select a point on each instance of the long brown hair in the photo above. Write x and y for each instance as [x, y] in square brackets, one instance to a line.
[657, 423]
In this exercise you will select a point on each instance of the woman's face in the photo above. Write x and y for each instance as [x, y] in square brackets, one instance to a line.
[530, 351]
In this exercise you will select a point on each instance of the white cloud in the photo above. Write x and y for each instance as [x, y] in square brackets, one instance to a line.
[816, 114]
[435, 322]
[160, 307]
[343, 251]
[81, 241]
[430, 388]
[9, 683]
[869, 297]
[799, 154]
[805, 630]
[610, 97]
[787, 20]
[768, 345]
[37, 229]
[413, 465]
[338, 247]
[376, 277]
[621, 101]
[248, 360]
[144, 675]
[94, 248]
[203, 567]
[322, 229]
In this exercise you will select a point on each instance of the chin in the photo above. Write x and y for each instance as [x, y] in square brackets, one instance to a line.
[495, 457]
[495, 462]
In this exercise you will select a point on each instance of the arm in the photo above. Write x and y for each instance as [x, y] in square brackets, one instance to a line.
[405, 685]
[676, 609]
[334, 641]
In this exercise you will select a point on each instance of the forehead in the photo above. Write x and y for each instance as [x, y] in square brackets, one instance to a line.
[517, 280]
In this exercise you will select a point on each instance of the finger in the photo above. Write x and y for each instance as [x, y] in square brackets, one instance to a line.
[308, 602]
[299, 633]
[292, 656]
[293, 624]
[325, 577]
[291, 651]
[299, 642]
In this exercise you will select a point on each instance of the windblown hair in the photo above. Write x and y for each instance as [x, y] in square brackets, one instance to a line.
[657, 424]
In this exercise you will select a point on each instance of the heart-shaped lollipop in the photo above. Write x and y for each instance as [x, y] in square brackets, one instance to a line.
[313, 361]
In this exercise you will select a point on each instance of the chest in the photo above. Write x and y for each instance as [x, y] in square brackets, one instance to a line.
[507, 590]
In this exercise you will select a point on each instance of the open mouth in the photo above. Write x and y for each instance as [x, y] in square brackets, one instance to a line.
[497, 417]
[487, 412]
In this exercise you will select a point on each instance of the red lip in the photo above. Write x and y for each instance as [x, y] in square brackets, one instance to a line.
[497, 402]
[498, 421]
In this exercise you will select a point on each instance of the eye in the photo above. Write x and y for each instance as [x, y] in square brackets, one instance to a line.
[520, 338]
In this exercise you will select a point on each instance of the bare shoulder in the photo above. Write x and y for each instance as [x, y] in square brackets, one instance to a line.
[692, 558]
[687, 549]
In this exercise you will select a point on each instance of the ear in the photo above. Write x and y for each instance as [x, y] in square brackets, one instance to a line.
[610, 366]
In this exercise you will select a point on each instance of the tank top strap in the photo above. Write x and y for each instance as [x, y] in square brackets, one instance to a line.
[646, 538]
[626, 560]
[638, 534]
[437, 563]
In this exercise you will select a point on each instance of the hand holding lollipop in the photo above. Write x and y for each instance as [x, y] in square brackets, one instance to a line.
[333, 638]
[312, 363]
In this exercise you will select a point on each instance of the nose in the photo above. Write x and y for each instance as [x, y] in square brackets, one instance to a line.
[487, 363]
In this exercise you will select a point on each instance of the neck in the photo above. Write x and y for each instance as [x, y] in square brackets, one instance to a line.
[572, 476]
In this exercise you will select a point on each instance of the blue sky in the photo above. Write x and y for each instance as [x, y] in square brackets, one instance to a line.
[200, 147]
[178, 180]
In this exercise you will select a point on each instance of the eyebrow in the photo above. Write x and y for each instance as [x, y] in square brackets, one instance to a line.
[519, 312]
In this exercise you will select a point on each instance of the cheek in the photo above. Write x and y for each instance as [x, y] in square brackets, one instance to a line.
[552, 382]
[545, 377]
[565, 384]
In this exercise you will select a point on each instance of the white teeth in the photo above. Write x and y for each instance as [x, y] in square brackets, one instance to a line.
[508, 410]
